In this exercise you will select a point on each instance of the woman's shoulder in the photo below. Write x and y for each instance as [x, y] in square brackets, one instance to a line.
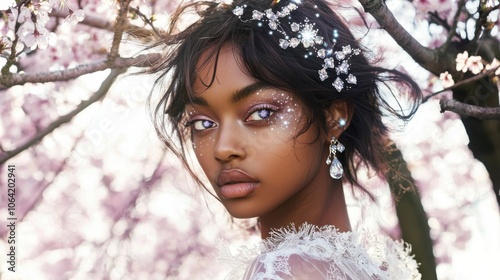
[312, 252]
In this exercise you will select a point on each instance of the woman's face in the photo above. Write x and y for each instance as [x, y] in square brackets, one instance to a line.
[244, 138]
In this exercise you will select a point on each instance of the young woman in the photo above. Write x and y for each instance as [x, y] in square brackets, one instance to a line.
[280, 107]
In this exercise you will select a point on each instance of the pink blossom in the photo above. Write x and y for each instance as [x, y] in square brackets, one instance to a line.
[15, 16]
[36, 36]
[42, 17]
[43, 7]
[461, 61]
[475, 64]
[472, 63]
[495, 64]
[75, 17]
[446, 79]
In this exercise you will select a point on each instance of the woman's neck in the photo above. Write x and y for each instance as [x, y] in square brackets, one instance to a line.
[318, 206]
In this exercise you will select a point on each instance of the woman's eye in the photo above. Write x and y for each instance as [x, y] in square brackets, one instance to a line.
[202, 124]
[260, 114]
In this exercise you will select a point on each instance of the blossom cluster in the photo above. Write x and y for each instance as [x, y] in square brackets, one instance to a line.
[473, 64]
[28, 21]
[466, 63]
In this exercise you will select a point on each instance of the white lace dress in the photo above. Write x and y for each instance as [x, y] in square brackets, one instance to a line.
[322, 253]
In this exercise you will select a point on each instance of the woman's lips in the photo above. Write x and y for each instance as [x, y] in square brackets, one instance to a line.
[235, 183]
[238, 190]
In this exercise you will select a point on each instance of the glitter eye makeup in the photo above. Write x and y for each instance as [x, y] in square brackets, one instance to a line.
[203, 124]
[197, 123]
[271, 115]
[262, 112]
[287, 113]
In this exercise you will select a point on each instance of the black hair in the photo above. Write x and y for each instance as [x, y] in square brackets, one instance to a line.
[286, 69]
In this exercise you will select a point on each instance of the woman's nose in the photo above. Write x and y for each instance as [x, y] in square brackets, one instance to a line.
[229, 143]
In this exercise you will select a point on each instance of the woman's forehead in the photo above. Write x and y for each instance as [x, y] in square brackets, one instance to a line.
[221, 68]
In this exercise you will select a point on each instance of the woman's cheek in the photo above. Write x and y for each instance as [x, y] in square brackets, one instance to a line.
[202, 146]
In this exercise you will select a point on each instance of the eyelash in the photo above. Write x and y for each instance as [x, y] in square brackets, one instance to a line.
[193, 123]
[262, 107]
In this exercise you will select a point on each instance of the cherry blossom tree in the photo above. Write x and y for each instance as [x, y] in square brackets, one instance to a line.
[98, 196]
[457, 28]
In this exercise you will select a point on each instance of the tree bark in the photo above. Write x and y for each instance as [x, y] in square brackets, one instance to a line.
[484, 135]
[482, 113]
[415, 229]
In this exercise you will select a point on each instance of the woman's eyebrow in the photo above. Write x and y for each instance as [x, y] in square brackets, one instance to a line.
[237, 96]
[247, 91]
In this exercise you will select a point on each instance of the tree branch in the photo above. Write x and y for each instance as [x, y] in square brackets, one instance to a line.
[436, 19]
[89, 20]
[147, 21]
[492, 8]
[97, 22]
[483, 14]
[100, 93]
[478, 112]
[461, 83]
[144, 60]
[121, 22]
[453, 28]
[426, 57]
[11, 59]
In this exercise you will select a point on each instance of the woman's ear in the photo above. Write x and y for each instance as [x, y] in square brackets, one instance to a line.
[338, 118]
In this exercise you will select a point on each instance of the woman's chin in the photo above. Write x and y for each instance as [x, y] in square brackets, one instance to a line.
[241, 213]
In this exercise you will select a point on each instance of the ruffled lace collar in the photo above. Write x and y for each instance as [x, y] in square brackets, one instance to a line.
[332, 254]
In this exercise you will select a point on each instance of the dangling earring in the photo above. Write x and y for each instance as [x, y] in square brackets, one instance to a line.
[336, 169]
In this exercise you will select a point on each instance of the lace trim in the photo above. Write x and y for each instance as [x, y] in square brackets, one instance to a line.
[322, 251]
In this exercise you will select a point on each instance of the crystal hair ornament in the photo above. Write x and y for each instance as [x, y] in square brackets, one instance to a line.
[304, 33]
[336, 169]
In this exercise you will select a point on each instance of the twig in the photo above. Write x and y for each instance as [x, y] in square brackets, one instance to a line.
[144, 60]
[483, 18]
[491, 9]
[435, 18]
[100, 93]
[460, 83]
[89, 20]
[426, 57]
[483, 14]
[453, 29]
[146, 20]
[13, 53]
[97, 22]
[121, 22]
[482, 113]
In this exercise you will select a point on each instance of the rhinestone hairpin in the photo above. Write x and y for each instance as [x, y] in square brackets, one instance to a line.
[304, 33]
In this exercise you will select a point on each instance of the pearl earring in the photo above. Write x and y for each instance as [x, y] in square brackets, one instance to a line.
[336, 169]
